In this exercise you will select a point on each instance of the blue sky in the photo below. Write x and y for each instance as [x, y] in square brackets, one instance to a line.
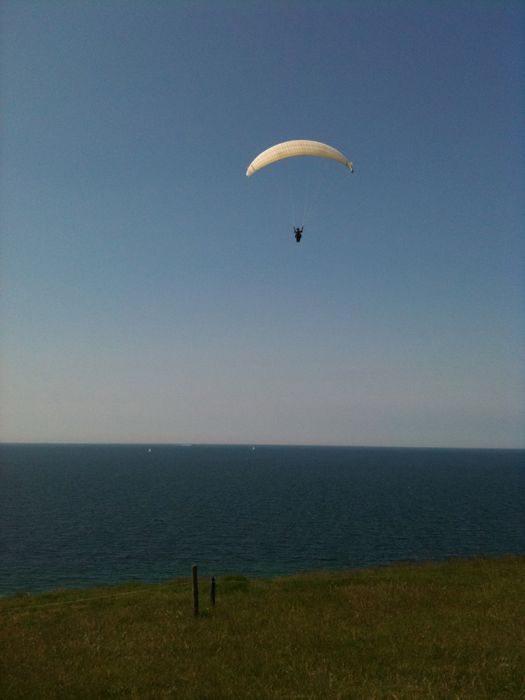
[153, 293]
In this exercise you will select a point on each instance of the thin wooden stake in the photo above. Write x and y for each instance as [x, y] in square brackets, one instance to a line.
[212, 591]
[195, 590]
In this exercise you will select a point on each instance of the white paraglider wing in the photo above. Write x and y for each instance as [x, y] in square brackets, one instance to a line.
[290, 149]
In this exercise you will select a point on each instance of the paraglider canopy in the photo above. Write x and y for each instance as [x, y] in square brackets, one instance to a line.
[290, 149]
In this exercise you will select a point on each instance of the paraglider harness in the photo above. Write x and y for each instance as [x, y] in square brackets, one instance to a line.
[298, 232]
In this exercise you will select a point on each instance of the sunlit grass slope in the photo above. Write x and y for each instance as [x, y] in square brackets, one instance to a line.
[440, 630]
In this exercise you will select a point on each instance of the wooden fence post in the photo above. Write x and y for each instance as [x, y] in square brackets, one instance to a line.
[195, 590]
[212, 591]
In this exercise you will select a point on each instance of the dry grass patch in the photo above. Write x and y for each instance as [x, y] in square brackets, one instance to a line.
[445, 630]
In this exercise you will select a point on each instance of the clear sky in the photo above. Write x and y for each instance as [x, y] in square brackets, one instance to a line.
[151, 292]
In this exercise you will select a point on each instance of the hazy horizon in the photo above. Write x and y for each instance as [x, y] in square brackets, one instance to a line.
[254, 445]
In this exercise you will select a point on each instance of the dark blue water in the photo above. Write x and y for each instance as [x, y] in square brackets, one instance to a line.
[86, 515]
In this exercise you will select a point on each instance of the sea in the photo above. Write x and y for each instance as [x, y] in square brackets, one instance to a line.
[89, 515]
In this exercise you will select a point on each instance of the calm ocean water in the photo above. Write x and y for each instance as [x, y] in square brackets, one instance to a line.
[97, 514]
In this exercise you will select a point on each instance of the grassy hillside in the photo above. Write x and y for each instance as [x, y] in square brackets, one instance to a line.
[440, 630]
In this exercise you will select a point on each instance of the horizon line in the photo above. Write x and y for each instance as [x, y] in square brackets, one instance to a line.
[187, 444]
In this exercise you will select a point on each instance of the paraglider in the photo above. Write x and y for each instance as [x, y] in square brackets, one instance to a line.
[291, 149]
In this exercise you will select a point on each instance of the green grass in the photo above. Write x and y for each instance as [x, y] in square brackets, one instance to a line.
[441, 630]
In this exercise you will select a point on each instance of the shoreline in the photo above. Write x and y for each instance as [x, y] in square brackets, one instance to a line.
[186, 579]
